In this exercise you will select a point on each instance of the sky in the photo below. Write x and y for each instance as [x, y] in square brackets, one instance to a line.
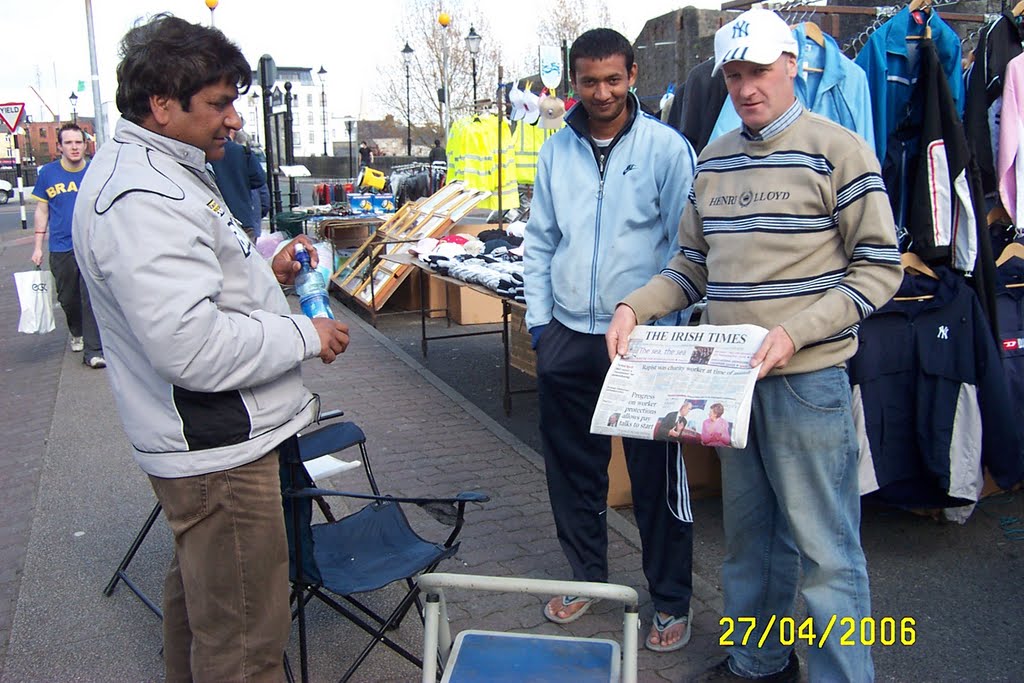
[45, 44]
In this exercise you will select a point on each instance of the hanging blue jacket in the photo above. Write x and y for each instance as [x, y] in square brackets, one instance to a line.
[890, 62]
[931, 401]
[840, 93]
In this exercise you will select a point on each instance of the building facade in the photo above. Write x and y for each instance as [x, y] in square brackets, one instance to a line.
[312, 125]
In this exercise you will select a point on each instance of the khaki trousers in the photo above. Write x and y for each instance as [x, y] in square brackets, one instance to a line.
[226, 613]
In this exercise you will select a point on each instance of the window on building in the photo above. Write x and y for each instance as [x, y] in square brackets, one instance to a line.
[309, 118]
[42, 133]
[309, 100]
[312, 137]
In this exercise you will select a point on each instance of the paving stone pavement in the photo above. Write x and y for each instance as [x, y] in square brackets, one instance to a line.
[79, 500]
[30, 370]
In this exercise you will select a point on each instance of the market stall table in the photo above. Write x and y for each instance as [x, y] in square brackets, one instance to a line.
[507, 307]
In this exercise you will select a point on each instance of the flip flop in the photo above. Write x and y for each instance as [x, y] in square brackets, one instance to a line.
[661, 625]
[568, 600]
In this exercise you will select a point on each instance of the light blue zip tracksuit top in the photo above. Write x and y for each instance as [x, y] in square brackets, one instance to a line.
[597, 231]
[840, 93]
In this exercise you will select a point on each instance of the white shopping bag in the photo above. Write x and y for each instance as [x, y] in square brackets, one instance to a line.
[35, 292]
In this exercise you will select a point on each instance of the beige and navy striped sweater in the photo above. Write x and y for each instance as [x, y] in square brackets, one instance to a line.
[795, 230]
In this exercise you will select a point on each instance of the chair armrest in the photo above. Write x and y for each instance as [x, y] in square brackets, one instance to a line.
[329, 415]
[472, 497]
[329, 439]
[606, 591]
[317, 492]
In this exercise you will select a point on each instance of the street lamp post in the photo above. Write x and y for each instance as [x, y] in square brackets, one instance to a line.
[351, 162]
[99, 115]
[407, 57]
[445, 20]
[74, 107]
[212, 4]
[253, 98]
[473, 45]
[322, 74]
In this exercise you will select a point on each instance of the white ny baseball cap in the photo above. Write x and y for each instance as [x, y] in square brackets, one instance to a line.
[757, 35]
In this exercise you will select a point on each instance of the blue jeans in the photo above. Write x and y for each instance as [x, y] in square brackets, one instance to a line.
[790, 498]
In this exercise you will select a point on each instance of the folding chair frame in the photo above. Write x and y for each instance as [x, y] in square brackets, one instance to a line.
[121, 573]
[437, 637]
[304, 591]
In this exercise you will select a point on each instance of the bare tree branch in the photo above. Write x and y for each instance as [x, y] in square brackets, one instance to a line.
[564, 19]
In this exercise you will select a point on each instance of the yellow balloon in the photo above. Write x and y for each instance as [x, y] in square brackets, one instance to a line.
[443, 18]
[212, 4]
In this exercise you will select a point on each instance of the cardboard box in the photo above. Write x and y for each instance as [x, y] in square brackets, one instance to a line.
[702, 473]
[407, 296]
[361, 202]
[383, 202]
[350, 236]
[469, 307]
[619, 492]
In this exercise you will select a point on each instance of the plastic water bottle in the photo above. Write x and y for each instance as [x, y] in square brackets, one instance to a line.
[310, 287]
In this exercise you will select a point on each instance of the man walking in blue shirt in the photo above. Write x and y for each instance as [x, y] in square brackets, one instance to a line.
[56, 191]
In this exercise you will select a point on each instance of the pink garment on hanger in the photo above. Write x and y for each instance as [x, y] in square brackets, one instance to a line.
[1010, 161]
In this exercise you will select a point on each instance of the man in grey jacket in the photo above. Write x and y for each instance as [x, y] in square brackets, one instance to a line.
[204, 355]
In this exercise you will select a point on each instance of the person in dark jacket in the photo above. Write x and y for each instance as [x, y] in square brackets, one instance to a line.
[237, 174]
[437, 152]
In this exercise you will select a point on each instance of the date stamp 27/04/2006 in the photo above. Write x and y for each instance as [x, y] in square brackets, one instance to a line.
[849, 631]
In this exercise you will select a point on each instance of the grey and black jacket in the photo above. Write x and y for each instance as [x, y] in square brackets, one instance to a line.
[203, 353]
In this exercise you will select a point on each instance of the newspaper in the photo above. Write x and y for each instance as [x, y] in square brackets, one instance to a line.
[682, 384]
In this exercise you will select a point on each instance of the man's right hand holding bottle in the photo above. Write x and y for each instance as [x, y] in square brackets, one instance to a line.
[333, 338]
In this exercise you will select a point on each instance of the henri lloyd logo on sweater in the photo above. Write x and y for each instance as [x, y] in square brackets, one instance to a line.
[748, 197]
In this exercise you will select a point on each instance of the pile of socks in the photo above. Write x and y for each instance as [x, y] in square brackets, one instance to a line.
[503, 277]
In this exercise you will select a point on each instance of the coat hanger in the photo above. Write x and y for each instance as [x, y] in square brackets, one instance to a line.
[1012, 250]
[813, 31]
[998, 213]
[922, 6]
[912, 262]
[925, 36]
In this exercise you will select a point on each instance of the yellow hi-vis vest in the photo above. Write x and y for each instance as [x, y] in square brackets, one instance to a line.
[528, 142]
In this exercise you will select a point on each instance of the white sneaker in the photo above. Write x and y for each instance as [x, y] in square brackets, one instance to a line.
[96, 362]
[77, 344]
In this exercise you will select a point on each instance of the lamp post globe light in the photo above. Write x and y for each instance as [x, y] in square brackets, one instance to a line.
[212, 4]
[74, 107]
[407, 58]
[322, 73]
[473, 45]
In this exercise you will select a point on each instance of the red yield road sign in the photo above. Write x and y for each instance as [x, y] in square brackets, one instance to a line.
[10, 114]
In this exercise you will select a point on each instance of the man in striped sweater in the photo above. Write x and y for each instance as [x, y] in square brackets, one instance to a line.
[788, 226]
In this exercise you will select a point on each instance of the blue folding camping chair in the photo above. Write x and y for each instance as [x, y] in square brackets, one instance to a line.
[339, 561]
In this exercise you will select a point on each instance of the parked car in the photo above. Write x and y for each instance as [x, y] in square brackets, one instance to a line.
[6, 191]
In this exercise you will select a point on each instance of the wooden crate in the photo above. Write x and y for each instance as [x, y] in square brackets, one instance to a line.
[521, 356]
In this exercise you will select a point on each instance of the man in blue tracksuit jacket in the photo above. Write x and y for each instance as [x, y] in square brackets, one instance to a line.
[609, 194]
